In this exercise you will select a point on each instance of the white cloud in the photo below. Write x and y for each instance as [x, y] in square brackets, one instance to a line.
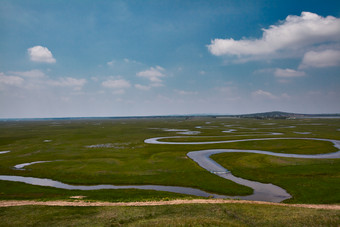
[288, 73]
[263, 94]
[124, 61]
[41, 54]
[119, 85]
[153, 74]
[320, 59]
[77, 84]
[37, 80]
[35, 73]
[295, 32]
[181, 92]
[10, 80]
[110, 63]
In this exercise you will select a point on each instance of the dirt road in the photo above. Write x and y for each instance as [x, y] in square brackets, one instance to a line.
[10, 203]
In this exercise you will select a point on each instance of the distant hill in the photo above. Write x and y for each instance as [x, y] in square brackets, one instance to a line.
[284, 115]
[265, 115]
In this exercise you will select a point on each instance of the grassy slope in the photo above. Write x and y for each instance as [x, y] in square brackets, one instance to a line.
[176, 215]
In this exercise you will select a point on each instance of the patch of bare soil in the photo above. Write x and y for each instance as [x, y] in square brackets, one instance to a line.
[9, 203]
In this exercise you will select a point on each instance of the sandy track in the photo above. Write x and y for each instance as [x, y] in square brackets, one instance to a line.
[80, 203]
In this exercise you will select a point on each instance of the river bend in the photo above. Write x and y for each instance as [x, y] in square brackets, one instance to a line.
[261, 191]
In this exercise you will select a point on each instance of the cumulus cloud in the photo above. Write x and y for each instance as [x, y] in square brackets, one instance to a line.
[75, 83]
[35, 73]
[181, 92]
[153, 74]
[41, 54]
[288, 73]
[116, 84]
[294, 33]
[10, 80]
[36, 79]
[263, 94]
[319, 59]
[124, 61]
[266, 95]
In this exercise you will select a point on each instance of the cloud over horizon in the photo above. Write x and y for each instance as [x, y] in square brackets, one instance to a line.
[154, 75]
[170, 58]
[35, 73]
[118, 85]
[36, 79]
[292, 34]
[10, 80]
[263, 94]
[75, 83]
[288, 73]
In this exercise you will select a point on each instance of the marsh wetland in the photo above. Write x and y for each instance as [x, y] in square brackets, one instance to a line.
[113, 159]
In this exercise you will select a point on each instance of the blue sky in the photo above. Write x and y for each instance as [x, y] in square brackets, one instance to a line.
[126, 58]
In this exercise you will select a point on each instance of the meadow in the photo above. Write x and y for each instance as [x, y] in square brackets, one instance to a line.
[112, 151]
[174, 215]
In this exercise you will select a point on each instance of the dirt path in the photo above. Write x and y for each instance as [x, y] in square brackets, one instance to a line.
[158, 203]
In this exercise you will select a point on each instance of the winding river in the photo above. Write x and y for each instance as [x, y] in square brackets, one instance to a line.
[261, 191]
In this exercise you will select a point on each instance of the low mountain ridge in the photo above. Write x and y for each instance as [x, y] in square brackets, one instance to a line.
[284, 115]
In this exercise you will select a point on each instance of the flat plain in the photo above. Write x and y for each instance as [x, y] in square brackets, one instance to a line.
[112, 151]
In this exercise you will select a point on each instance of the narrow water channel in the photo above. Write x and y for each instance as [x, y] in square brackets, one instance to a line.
[262, 191]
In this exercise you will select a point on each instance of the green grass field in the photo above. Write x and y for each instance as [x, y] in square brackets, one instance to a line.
[121, 157]
[128, 160]
[175, 215]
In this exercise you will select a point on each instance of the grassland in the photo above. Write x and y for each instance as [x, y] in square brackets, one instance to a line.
[175, 215]
[112, 151]
[122, 157]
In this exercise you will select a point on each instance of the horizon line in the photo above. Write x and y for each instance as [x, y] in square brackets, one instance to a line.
[169, 115]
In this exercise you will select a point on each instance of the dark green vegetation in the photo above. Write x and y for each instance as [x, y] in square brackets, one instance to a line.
[289, 146]
[20, 191]
[126, 159]
[282, 115]
[307, 180]
[175, 215]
